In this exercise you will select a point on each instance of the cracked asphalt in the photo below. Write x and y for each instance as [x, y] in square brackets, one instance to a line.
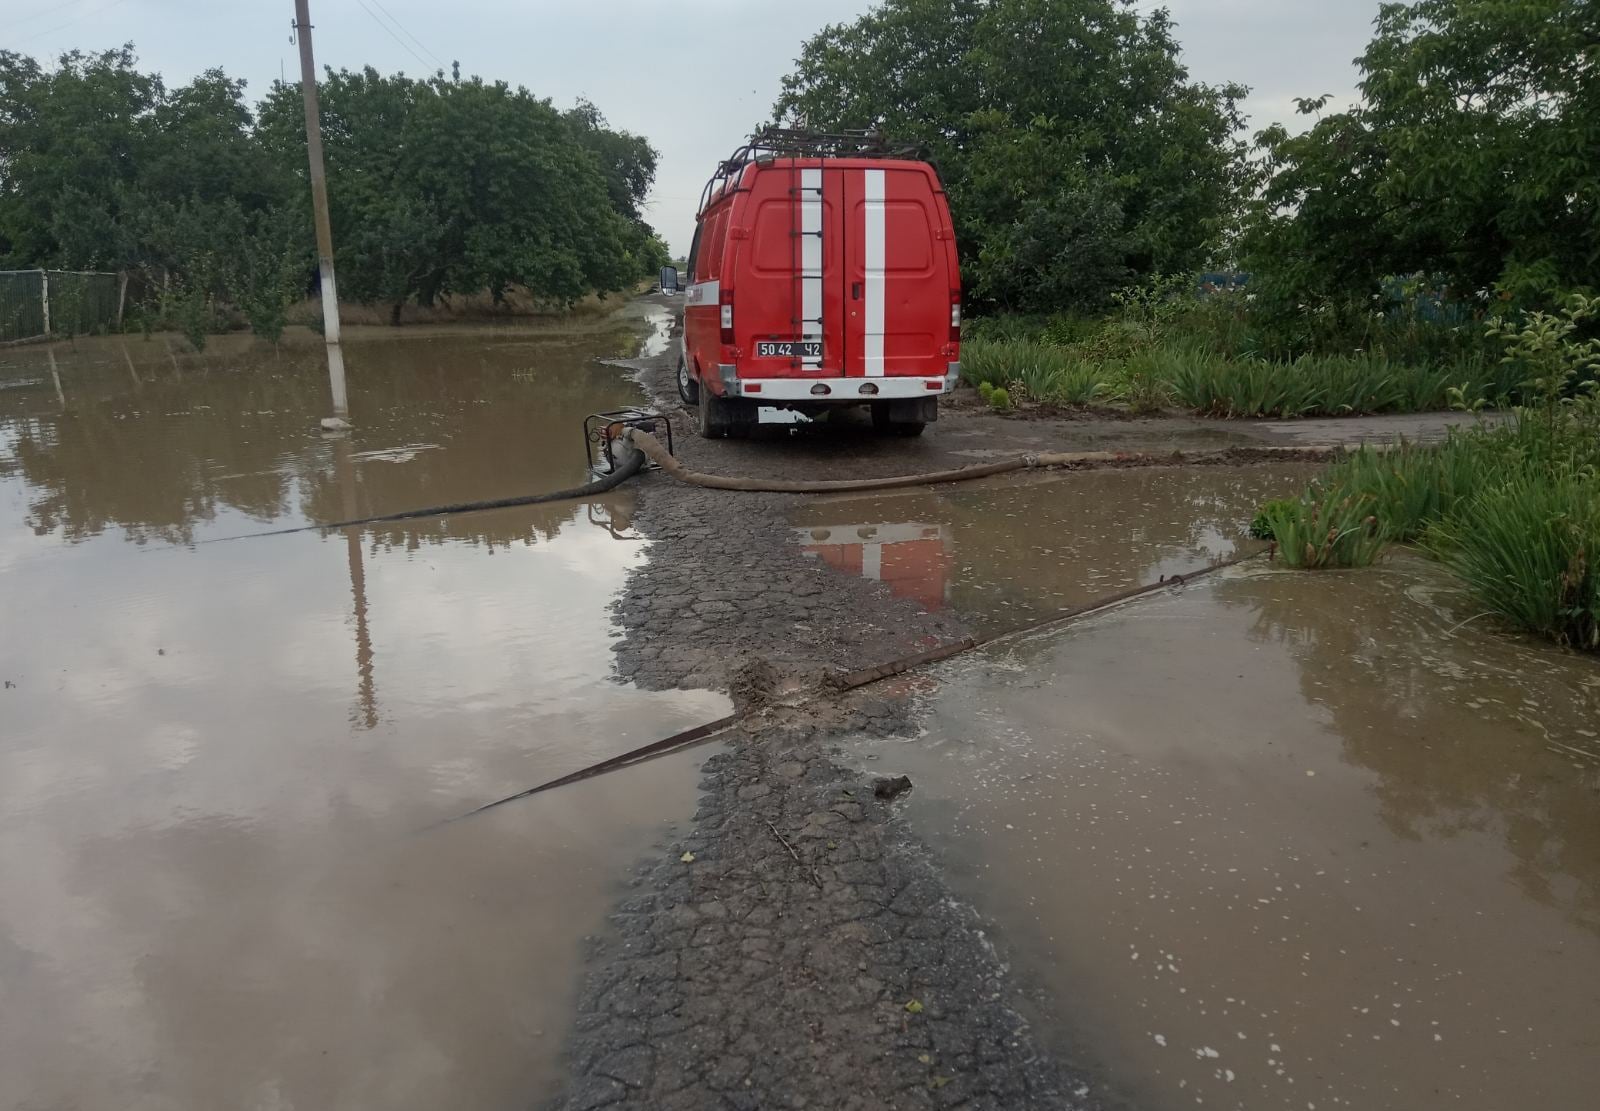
[798, 947]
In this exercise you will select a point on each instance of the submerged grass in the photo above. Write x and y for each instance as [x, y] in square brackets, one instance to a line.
[1330, 525]
[1528, 550]
[1514, 510]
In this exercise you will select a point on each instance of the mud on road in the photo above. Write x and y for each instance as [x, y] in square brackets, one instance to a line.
[799, 949]
[798, 946]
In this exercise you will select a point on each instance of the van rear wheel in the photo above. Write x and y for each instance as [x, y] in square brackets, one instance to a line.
[716, 415]
[883, 421]
[688, 388]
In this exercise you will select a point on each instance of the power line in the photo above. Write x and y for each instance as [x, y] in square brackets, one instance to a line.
[42, 12]
[408, 34]
[70, 22]
[421, 61]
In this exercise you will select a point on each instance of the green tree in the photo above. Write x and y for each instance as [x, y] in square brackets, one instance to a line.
[71, 142]
[1078, 154]
[103, 167]
[1470, 156]
[440, 187]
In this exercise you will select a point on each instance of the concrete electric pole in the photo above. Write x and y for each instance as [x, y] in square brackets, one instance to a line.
[319, 203]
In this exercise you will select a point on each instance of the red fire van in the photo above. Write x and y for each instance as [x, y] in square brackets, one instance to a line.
[823, 273]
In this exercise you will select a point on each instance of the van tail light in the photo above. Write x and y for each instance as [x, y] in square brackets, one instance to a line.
[955, 316]
[726, 306]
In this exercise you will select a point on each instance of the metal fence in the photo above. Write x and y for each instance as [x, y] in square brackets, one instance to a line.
[35, 304]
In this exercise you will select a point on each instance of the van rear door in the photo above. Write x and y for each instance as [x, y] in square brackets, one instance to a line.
[791, 275]
[897, 294]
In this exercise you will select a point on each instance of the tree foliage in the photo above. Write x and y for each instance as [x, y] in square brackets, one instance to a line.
[441, 186]
[1078, 154]
[437, 186]
[1470, 156]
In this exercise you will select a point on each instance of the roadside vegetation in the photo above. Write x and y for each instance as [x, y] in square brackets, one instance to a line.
[204, 200]
[1513, 509]
[1176, 343]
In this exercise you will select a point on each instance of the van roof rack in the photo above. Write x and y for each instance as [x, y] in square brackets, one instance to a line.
[772, 142]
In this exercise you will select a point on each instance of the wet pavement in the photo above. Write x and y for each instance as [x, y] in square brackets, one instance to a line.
[221, 763]
[1283, 841]
[1003, 553]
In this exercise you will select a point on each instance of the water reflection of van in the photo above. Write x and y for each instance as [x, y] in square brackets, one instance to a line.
[823, 273]
[912, 559]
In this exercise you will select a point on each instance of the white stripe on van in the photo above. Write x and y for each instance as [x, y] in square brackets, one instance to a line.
[874, 249]
[703, 293]
[811, 261]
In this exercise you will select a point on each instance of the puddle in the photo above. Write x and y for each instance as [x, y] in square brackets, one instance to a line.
[220, 762]
[1005, 553]
[1284, 841]
[660, 320]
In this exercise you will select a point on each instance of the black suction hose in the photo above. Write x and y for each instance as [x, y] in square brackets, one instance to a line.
[632, 463]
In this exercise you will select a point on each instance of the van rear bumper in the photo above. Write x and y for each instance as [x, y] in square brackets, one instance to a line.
[835, 389]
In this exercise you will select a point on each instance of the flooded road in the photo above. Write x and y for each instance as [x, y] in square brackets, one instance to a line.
[1285, 841]
[219, 762]
[1008, 552]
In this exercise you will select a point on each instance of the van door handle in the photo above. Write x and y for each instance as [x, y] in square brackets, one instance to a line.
[855, 291]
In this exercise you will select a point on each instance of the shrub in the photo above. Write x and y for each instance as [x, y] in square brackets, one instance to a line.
[1528, 550]
[1000, 400]
[1004, 327]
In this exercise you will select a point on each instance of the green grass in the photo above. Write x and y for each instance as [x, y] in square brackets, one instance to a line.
[1412, 486]
[1123, 363]
[1312, 385]
[1048, 374]
[1528, 550]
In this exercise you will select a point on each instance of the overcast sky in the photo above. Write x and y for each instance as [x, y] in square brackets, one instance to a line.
[725, 57]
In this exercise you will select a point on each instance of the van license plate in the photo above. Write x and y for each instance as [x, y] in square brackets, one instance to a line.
[789, 349]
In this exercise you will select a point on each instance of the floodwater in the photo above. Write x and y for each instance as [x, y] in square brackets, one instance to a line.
[1275, 840]
[220, 885]
[1006, 553]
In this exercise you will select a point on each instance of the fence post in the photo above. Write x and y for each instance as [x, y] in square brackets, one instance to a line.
[122, 295]
[44, 298]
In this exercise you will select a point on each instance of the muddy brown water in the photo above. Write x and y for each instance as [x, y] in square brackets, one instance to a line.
[219, 762]
[1285, 841]
[1004, 553]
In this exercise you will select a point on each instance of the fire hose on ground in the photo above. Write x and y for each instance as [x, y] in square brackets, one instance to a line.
[631, 447]
[652, 450]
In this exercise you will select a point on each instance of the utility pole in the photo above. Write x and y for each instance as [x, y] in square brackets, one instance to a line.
[319, 203]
